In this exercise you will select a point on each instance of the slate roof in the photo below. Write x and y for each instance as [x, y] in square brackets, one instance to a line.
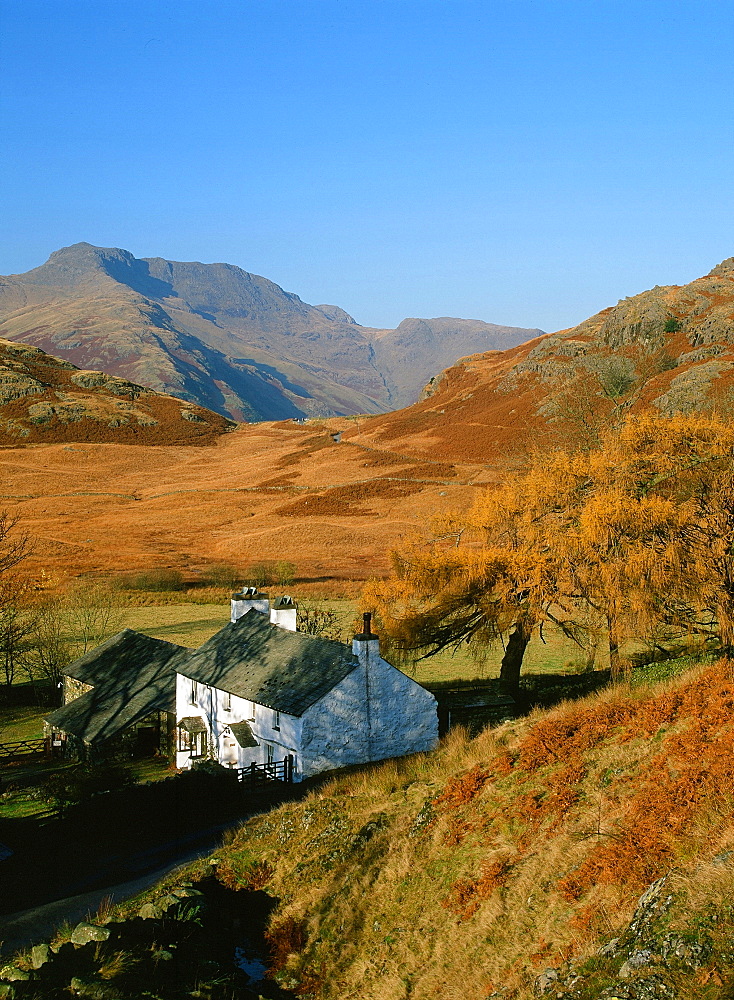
[192, 724]
[133, 675]
[287, 671]
[243, 734]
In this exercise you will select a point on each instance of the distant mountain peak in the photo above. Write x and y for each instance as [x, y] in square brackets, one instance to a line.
[75, 264]
[234, 342]
[336, 313]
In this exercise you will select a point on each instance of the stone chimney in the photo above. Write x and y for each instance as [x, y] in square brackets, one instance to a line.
[247, 599]
[283, 613]
[366, 646]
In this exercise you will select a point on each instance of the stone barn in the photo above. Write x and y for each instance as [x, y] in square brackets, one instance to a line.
[124, 689]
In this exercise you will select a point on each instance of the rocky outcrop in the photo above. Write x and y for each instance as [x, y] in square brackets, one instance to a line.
[45, 399]
[665, 946]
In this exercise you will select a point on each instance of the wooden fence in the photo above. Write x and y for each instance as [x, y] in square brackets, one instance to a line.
[257, 775]
[23, 748]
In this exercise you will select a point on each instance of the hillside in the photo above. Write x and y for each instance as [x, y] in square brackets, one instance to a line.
[264, 491]
[583, 853]
[471, 872]
[226, 339]
[671, 348]
[284, 490]
[46, 400]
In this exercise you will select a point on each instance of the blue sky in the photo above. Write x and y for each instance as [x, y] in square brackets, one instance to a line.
[514, 161]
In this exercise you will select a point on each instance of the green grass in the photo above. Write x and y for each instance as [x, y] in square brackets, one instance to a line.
[192, 624]
[21, 722]
[667, 669]
[186, 624]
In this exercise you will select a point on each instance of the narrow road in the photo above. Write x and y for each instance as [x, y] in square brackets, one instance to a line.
[28, 927]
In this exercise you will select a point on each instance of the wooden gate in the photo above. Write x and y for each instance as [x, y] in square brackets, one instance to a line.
[257, 775]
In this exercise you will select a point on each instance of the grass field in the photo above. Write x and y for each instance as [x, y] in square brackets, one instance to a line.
[21, 722]
[192, 624]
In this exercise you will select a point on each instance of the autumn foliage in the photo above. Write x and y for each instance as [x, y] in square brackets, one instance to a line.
[633, 541]
[648, 815]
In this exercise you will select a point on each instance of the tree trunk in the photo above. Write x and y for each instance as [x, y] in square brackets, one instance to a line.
[725, 616]
[512, 660]
[616, 666]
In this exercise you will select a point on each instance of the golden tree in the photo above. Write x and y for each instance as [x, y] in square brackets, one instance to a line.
[634, 537]
[688, 460]
[483, 577]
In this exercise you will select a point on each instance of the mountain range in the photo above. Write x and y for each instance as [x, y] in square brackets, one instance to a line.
[228, 340]
[670, 348]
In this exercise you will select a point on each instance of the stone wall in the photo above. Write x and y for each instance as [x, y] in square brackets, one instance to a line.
[74, 689]
[375, 713]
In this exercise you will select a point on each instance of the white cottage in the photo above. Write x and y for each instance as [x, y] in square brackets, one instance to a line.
[259, 692]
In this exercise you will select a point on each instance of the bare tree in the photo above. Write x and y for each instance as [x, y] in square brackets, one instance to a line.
[14, 593]
[317, 620]
[91, 612]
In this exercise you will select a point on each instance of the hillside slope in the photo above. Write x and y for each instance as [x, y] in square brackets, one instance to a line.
[474, 871]
[584, 853]
[671, 348]
[226, 339]
[46, 400]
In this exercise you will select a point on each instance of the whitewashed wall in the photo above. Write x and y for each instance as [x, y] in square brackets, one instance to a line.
[210, 706]
[376, 712]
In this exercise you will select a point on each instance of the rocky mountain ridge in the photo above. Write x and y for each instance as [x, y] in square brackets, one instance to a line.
[226, 339]
[670, 348]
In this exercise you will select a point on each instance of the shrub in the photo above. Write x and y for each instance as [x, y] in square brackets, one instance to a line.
[284, 572]
[283, 939]
[260, 574]
[314, 620]
[155, 579]
[221, 575]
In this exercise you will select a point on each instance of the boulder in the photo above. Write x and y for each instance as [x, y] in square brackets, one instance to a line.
[545, 982]
[150, 911]
[166, 902]
[187, 892]
[84, 933]
[12, 974]
[40, 954]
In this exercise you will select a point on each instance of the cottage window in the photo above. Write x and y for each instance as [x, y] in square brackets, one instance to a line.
[251, 710]
[194, 693]
[276, 720]
[198, 748]
[271, 753]
[227, 702]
